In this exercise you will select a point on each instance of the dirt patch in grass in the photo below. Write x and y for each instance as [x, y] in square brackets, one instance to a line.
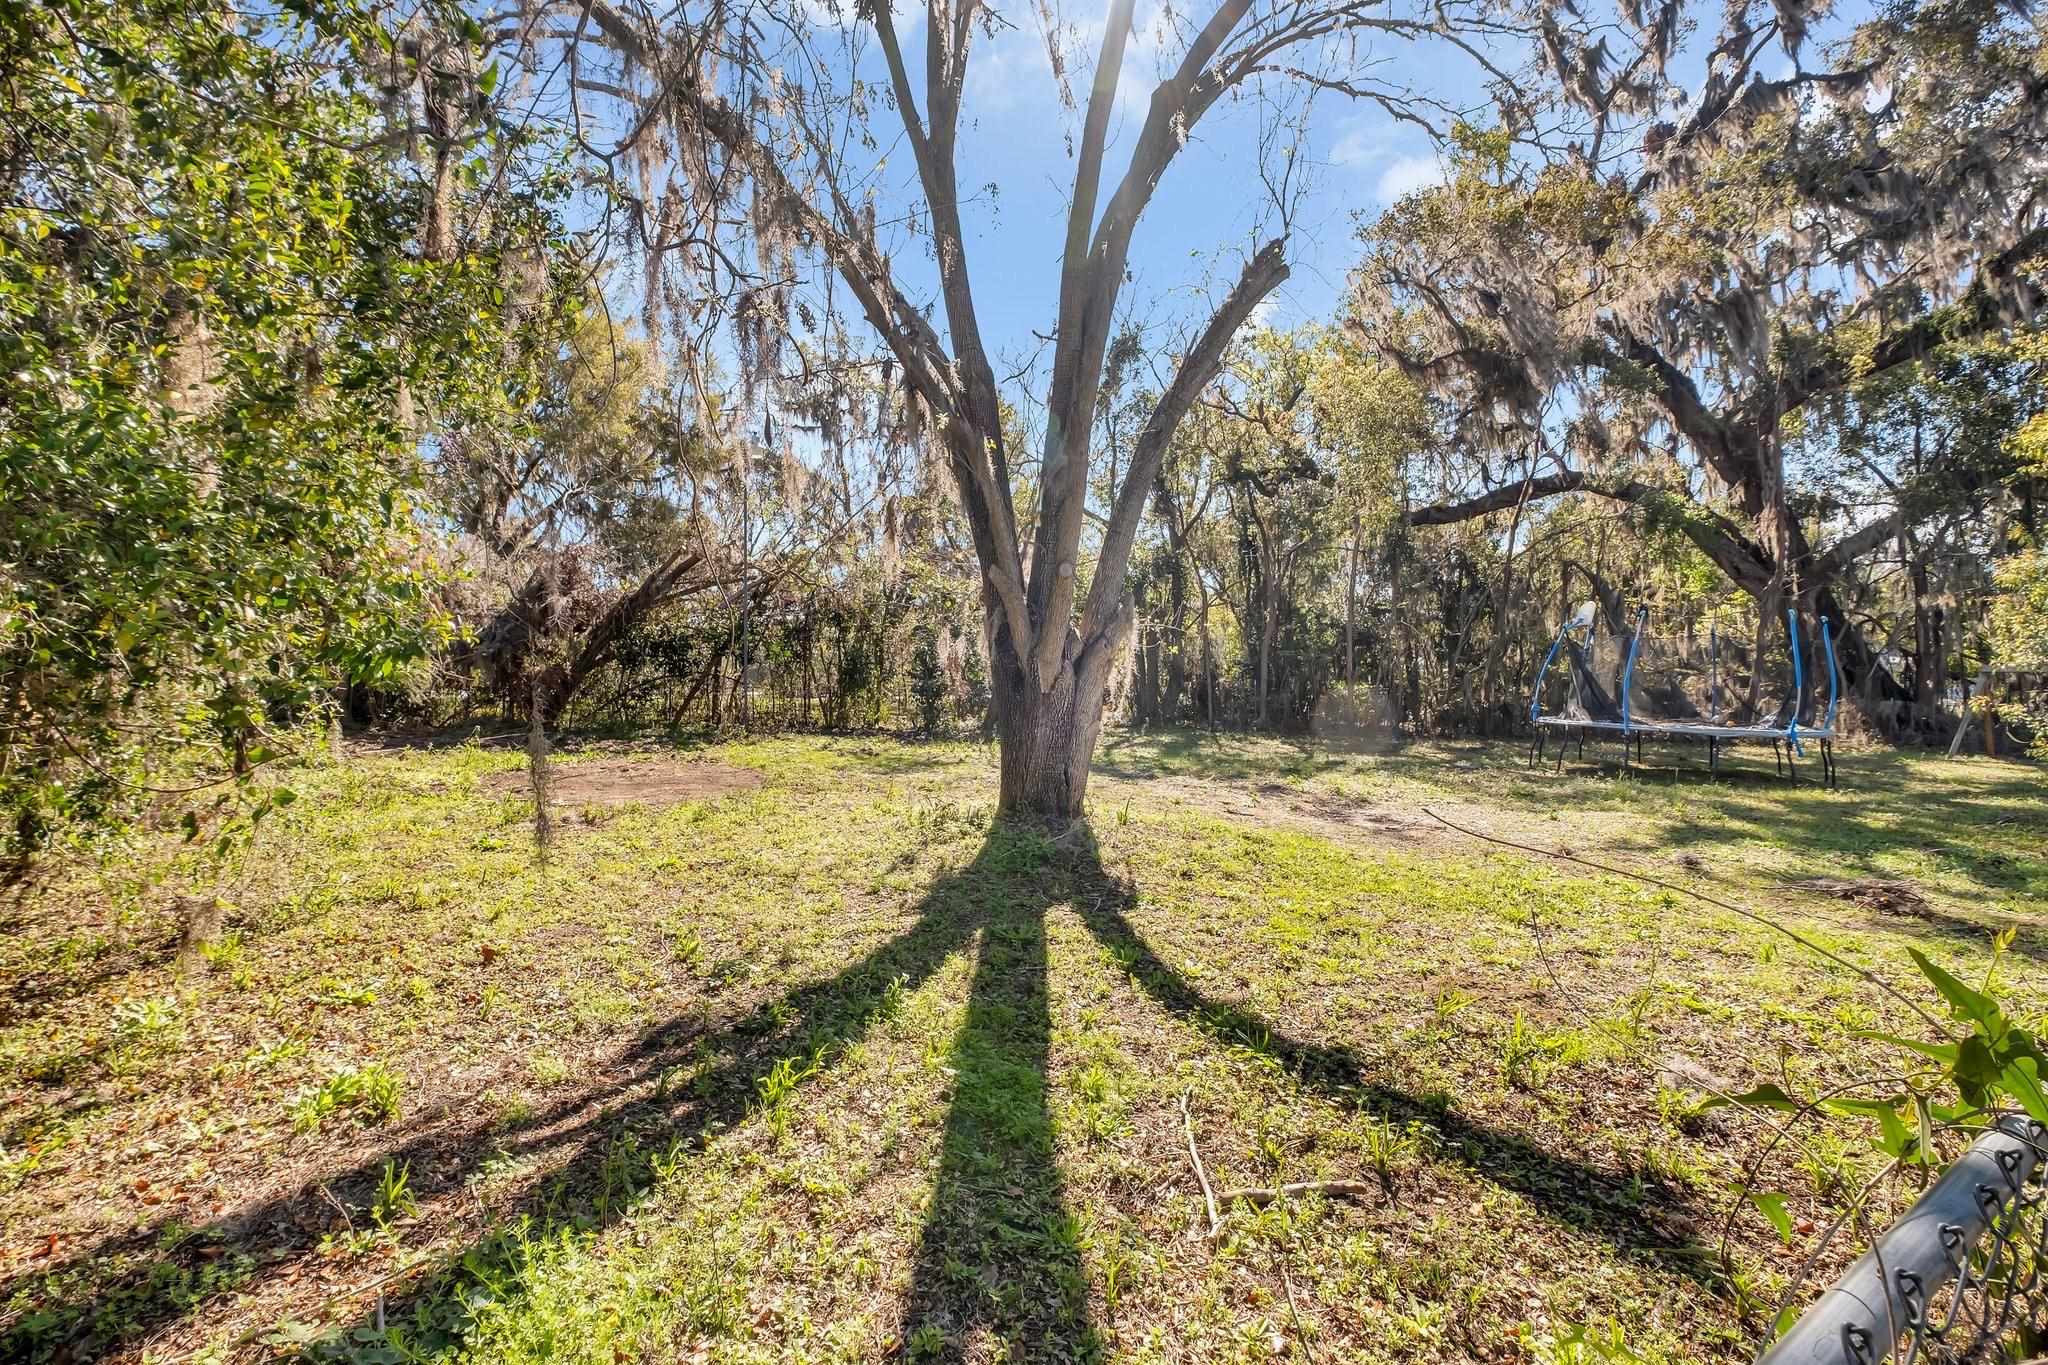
[624, 783]
[1890, 897]
[1332, 816]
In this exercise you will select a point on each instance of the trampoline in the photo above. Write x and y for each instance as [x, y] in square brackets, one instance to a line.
[1636, 687]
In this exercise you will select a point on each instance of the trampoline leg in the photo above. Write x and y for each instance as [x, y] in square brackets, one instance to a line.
[1792, 765]
[1582, 742]
[1777, 758]
[1713, 757]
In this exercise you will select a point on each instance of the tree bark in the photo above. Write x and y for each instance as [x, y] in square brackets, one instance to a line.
[1269, 619]
[1046, 736]
[1208, 668]
[1037, 740]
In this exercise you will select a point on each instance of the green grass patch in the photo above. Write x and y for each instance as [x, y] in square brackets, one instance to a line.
[842, 1069]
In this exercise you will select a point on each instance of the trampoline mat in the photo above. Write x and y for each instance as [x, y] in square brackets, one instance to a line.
[1674, 729]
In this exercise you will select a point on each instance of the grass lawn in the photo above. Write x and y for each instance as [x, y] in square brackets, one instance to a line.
[829, 1067]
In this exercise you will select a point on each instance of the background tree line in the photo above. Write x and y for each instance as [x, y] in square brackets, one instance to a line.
[547, 363]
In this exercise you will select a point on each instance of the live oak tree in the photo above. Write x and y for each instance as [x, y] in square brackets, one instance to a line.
[724, 121]
[1930, 446]
[1703, 267]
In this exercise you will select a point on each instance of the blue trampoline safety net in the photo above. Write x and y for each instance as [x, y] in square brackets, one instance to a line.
[1708, 679]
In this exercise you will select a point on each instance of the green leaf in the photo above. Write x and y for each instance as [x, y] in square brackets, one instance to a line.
[1978, 1071]
[1893, 1136]
[1924, 1117]
[2021, 1079]
[1772, 1205]
[1765, 1096]
[1894, 1139]
[1945, 1053]
[1967, 1004]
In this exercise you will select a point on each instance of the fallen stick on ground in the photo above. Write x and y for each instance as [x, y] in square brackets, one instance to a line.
[1262, 1195]
[1294, 1311]
[1208, 1195]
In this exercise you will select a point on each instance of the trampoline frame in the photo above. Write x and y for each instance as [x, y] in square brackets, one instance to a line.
[1788, 743]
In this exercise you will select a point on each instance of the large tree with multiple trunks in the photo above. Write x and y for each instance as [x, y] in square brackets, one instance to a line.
[751, 154]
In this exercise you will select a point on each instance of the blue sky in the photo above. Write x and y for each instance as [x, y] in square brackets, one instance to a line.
[1211, 210]
[1203, 219]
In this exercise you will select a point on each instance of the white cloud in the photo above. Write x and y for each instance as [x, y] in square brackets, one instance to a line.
[1005, 73]
[1360, 145]
[829, 14]
[1370, 148]
[1406, 174]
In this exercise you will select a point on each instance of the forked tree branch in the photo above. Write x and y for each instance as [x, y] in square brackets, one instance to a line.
[1262, 274]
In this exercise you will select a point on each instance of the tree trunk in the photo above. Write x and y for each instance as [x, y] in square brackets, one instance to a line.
[1045, 739]
[1176, 662]
[1150, 708]
[1351, 612]
[1503, 595]
[1208, 669]
[1924, 647]
[1940, 663]
[1269, 626]
[1269, 613]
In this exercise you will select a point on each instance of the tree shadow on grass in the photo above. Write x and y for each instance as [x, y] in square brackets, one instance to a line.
[995, 1256]
[998, 1259]
[1639, 1213]
[999, 1256]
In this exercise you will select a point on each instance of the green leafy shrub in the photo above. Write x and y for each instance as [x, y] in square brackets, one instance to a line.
[928, 680]
[224, 347]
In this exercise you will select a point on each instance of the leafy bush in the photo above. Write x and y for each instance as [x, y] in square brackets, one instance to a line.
[928, 680]
[1954, 1083]
[2019, 624]
[210, 436]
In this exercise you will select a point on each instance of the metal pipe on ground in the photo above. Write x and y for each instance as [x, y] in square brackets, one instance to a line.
[1888, 1296]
